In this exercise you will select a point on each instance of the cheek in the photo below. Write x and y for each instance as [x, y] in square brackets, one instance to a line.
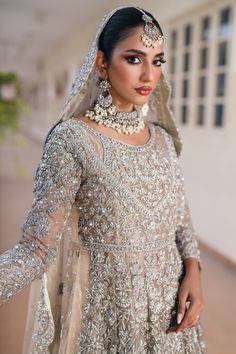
[159, 72]
[122, 72]
[158, 75]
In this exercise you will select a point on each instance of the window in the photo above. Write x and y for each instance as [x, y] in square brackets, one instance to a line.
[220, 84]
[186, 62]
[203, 58]
[219, 111]
[224, 26]
[205, 35]
[199, 64]
[185, 88]
[222, 53]
[172, 89]
[201, 113]
[173, 65]
[187, 35]
[184, 113]
[174, 40]
[202, 86]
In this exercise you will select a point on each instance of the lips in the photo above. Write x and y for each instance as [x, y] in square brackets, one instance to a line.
[144, 90]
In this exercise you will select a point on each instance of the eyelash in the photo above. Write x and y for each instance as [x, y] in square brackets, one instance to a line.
[129, 60]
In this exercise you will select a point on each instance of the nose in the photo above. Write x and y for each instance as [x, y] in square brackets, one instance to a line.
[147, 73]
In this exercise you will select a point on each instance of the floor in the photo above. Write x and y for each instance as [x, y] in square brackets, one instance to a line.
[18, 160]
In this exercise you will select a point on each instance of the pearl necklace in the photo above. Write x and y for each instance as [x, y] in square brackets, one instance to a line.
[106, 113]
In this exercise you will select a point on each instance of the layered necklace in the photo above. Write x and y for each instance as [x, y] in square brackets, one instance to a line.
[104, 112]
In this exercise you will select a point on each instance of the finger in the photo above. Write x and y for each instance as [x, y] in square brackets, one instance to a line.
[172, 329]
[195, 311]
[190, 316]
[195, 319]
[181, 307]
[179, 319]
[194, 322]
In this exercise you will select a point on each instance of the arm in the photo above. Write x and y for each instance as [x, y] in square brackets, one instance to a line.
[186, 238]
[56, 182]
[190, 288]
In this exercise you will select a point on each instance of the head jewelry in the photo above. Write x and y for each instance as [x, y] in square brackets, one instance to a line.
[151, 36]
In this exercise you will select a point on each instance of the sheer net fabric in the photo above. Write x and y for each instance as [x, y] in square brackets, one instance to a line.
[104, 242]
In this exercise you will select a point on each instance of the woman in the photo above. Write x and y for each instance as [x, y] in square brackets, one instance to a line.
[125, 276]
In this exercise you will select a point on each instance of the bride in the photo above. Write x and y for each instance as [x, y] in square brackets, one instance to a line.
[108, 245]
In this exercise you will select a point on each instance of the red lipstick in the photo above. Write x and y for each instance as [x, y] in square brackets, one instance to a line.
[144, 90]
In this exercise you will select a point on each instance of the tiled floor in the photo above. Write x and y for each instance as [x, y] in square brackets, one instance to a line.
[219, 282]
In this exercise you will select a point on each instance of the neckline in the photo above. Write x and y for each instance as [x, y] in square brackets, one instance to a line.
[108, 138]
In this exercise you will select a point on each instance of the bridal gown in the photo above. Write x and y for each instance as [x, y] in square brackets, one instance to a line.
[134, 232]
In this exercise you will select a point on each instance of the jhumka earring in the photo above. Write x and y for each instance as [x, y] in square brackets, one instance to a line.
[105, 112]
[145, 109]
[151, 36]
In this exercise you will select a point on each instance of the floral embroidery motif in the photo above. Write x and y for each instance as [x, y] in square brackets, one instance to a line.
[134, 222]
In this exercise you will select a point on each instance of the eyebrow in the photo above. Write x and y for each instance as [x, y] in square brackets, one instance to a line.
[137, 51]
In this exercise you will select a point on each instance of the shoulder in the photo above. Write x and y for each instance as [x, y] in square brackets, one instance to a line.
[61, 129]
[166, 134]
[63, 134]
[158, 127]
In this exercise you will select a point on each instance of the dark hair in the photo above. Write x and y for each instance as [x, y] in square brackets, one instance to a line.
[119, 27]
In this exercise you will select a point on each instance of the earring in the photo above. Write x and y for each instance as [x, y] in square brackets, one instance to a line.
[104, 99]
[105, 112]
[104, 85]
[145, 109]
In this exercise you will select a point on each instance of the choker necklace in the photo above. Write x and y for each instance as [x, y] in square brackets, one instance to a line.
[104, 112]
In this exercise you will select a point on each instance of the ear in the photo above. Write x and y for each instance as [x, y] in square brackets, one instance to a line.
[101, 64]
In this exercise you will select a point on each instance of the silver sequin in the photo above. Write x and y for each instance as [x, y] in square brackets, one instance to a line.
[135, 222]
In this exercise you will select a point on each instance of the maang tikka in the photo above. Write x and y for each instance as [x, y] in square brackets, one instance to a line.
[151, 36]
[104, 112]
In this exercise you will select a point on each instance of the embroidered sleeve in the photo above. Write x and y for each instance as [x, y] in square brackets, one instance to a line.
[186, 237]
[56, 182]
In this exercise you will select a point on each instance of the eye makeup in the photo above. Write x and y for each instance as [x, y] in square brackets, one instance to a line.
[134, 59]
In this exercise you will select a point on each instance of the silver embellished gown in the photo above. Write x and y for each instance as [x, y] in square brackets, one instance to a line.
[134, 232]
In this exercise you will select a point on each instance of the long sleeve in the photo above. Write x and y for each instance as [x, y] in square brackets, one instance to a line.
[56, 182]
[186, 236]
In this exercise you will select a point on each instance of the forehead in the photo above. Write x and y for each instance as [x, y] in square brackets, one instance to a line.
[133, 41]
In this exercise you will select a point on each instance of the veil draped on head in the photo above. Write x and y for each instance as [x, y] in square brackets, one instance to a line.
[48, 306]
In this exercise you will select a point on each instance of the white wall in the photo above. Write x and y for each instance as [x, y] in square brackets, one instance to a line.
[208, 158]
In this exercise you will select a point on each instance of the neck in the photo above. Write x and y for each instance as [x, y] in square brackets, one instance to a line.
[121, 105]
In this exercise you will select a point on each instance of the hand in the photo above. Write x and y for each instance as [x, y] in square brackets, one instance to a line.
[190, 290]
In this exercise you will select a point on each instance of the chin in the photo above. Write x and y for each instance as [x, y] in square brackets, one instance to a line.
[140, 102]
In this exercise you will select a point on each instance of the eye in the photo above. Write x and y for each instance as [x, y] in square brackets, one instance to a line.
[158, 62]
[133, 59]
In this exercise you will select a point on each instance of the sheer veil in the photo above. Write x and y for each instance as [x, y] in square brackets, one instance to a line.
[47, 304]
